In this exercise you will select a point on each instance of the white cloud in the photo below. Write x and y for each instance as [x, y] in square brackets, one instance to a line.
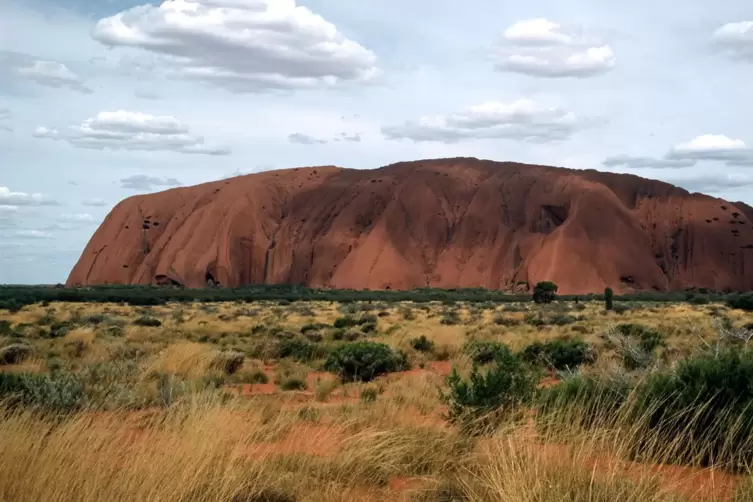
[304, 139]
[246, 45]
[94, 203]
[53, 74]
[32, 234]
[14, 199]
[714, 183]
[736, 38]
[645, 162]
[144, 182]
[76, 218]
[125, 130]
[707, 147]
[4, 114]
[521, 120]
[542, 48]
[714, 147]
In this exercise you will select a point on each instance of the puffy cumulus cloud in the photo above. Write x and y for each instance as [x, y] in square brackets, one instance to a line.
[717, 147]
[125, 130]
[42, 72]
[305, 139]
[707, 147]
[243, 45]
[148, 183]
[543, 48]
[94, 203]
[520, 120]
[10, 199]
[736, 38]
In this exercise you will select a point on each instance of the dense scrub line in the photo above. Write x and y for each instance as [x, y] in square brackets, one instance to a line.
[15, 297]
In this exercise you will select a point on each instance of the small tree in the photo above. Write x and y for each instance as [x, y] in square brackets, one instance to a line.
[608, 299]
[544, 292]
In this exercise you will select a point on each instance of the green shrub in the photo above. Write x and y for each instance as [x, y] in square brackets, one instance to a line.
[364, 361]
[559, 354]
[484, 352]
[700, 300]
[148, 322]
[5, 328]
[701, 412]
[742, 302]
[608, 299]
[544, 292]
[95, 319]
[58, 393]
[505, 321]
[293, 383]
[422, 344]
[258, 376]
[534, 319]
[648, 339]
[620, 308]
[56, 330]
[478, 405]
[300, 349]
[562, 320]
[450, 318]
[583, 402]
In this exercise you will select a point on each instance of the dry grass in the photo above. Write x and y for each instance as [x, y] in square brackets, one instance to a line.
[323, 443]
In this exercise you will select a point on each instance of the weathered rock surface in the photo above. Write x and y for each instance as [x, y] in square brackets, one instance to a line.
[441, 223]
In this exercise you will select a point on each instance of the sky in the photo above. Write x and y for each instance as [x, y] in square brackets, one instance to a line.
[104, 99]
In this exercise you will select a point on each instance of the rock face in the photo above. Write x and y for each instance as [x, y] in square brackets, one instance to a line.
[440, 223]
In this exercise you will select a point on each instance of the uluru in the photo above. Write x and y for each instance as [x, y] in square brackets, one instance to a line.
[446, 223]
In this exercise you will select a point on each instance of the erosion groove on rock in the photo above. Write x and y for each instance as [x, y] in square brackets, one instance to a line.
[442, 223]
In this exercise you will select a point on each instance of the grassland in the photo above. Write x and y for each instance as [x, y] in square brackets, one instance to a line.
[231, 402]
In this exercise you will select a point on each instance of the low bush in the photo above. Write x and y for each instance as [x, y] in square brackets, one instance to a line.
[293, 383]
[501, 320]
[57, 393]
[364, 361]
[422, 344]
[484, 352]
[699, 413]
[300, 349]
[147, 322]
[56, 330]
[228, 362]
[478, 405]
[742, 302]
[582, 402]
[648, 339]
[450, 318]
[559, 354]
[14, 353]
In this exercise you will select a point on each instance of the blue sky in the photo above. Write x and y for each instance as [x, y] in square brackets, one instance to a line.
[100, 100]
